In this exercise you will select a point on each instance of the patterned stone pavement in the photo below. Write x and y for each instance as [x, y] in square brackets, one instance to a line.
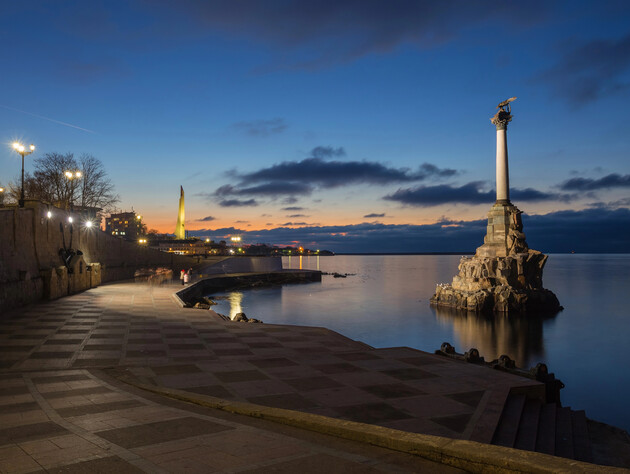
[56, 411]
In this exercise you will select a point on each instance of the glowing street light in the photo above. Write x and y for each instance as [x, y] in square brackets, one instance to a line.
[1, 196]
[21, 149]
[71, 175]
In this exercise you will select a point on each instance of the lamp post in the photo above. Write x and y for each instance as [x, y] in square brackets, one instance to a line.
[1, 196]
[72, 175]
[21, 149]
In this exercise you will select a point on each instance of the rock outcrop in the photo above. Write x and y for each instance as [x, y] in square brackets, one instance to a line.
[504, 275]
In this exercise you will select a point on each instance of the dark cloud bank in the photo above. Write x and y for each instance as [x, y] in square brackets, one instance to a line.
[590, 71]
[596, 230]
[470, 193]
[318, 34]
[322, 169]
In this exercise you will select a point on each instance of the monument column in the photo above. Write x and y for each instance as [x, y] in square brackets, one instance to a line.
[500, 120]
[180, 232]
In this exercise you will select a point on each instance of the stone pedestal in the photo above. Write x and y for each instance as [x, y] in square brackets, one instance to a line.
[504, 275]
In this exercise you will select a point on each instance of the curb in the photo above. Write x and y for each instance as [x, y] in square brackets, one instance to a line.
[467, 455]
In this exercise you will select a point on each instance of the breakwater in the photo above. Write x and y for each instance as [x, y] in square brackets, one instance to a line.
[216, 283]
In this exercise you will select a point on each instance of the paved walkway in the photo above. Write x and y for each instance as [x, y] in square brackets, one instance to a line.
[59, 410]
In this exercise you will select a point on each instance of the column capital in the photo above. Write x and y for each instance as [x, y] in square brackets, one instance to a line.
[501, 119]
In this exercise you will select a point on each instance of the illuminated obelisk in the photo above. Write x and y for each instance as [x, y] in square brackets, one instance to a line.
[180, 232]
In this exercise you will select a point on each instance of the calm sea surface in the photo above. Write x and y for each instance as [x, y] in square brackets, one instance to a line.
[386, 303]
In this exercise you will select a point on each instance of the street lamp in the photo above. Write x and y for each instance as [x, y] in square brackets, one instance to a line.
[71, 175]
[21, 149]
[1, 197]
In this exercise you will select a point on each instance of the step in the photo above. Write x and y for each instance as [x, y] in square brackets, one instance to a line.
[546, 437]
[528, 426]
[505, 434]
[581, 441]
[564, 433]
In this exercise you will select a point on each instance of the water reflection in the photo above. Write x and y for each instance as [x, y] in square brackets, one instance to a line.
[236, 303]
[520, 337]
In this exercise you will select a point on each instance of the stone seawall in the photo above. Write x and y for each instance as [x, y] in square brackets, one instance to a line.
[31, 267]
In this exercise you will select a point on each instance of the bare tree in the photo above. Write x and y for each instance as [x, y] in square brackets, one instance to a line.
[96, 188]
[50, 173]
[64, 182]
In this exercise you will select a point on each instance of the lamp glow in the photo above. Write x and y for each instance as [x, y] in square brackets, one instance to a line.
[49, 214]
[17, 146]
[70, 219]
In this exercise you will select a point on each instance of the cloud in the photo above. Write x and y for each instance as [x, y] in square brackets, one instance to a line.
[590, 230]
[206, 219]
[624, 202]
[369, 216]
[261, 128]
[301, 178]
[470, 193]
[612, 180]
[317, 34]
[238, 203]
[327, 152]
[273, 189]
[293, 216]
[293, 208]
[590, 71]
[294, 223]
[330, 174]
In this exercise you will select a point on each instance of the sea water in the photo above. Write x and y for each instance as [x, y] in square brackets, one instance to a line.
[384, 302]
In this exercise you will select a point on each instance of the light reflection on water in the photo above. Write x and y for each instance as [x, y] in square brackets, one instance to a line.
[387, 304]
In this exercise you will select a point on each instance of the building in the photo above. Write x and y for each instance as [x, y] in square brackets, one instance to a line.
[126, 225]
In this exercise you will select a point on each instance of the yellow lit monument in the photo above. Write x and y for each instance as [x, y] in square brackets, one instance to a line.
[180, 232]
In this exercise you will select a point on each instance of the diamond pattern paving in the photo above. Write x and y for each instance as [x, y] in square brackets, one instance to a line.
[139, 331]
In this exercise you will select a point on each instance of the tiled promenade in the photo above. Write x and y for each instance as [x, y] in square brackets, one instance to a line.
[62, 408]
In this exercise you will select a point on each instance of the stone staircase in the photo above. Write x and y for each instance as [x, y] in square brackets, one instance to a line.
[532, 425]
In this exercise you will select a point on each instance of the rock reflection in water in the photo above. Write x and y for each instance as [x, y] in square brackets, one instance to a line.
[519, 337]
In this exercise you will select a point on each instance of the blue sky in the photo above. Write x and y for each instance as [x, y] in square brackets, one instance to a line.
[350, 125]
